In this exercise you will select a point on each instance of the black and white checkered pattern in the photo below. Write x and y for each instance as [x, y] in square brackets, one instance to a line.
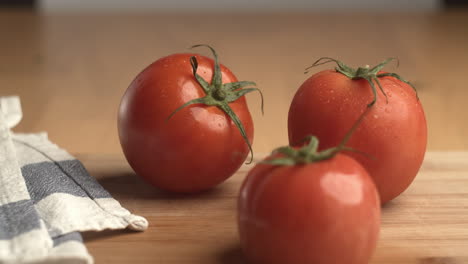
[47, 198]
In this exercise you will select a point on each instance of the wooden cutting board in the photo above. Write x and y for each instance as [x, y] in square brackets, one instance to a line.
[428, 224]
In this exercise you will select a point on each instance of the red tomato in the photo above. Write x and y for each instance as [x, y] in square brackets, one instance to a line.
[199, 146]
[394, 132]
[326, 212]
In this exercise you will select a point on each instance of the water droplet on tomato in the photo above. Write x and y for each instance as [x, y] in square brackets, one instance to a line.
[376, 116]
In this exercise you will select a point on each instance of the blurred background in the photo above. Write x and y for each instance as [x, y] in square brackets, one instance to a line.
[71, 61]
[241, 5]
[227, 5]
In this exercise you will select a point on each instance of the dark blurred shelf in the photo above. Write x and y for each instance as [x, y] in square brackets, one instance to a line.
[455, 3]
[18, 3]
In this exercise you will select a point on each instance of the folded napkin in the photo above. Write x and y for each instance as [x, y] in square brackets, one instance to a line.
[47, 198]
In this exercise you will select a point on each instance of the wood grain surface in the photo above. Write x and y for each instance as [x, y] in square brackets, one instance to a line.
[427, 224]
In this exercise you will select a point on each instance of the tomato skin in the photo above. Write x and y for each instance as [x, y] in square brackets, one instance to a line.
[198, 147]
[320, 213]
[395, 133]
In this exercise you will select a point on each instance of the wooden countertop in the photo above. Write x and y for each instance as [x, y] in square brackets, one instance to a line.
[427, 224]
[71, 71]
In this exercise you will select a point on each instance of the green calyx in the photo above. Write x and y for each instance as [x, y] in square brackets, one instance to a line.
[309, 153]
[304, 155]
[220, 95]
[367, 73]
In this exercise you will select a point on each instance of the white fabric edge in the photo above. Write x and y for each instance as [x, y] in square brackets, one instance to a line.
[41, 143]
[85, 214]
[12, 185]
[11, 108]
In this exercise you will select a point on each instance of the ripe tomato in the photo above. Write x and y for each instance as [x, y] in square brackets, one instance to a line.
[323, 212]
[199, 145]
[393, 131]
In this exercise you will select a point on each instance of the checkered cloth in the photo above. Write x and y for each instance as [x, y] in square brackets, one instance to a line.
[47, 197]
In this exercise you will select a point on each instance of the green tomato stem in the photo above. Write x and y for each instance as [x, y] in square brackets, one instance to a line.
[371, 75]
[220, 95]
